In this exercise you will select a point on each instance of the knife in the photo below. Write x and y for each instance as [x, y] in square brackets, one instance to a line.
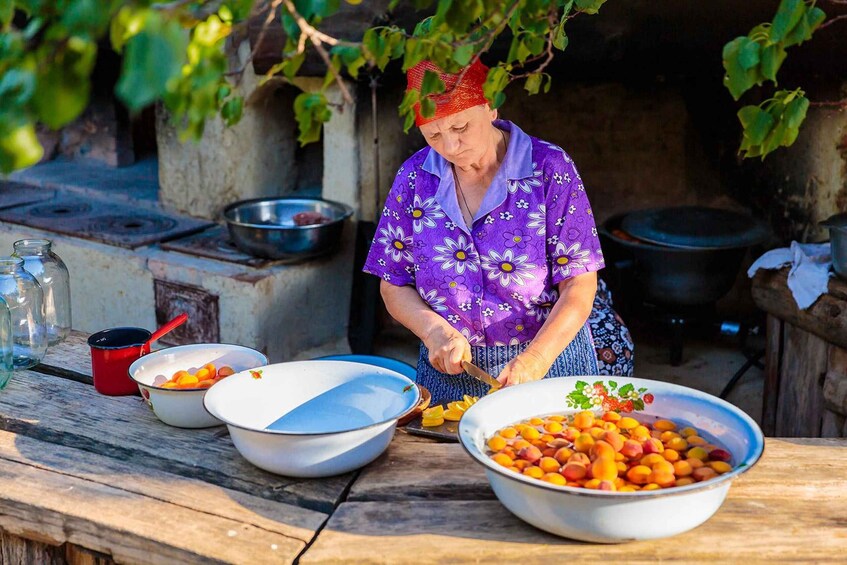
[481, 375]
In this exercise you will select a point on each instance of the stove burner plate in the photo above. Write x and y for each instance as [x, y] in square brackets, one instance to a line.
[112, 223]
[214, 243]
[19, 194]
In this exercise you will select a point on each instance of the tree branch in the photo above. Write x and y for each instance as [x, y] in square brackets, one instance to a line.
[833, 20]
[318, 39]
[552, 19]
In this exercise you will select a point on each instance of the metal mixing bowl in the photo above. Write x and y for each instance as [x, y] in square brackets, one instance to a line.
[265, 227]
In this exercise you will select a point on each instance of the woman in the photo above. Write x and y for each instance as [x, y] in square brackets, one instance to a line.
[487, 248]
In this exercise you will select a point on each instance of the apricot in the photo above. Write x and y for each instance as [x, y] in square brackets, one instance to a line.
[203, 374]
[549, 465]
[632, 449]
[563, 454]
[696, 440]
[653, 445]
[611, 417]
[496, 443]
[520, 444]
[682, 481]
[688, 432]
[534, 472]
[571, 433]
[697, 453]
[695, 463]
[574, 471]
[682, 468]
[205, 384]
[639, 474]
[614, 439]
[502, 459]
[520, 464]
[671, 455]
[593, 484]
[664, 425]
[536, 422]
[640, 433]
[602, 450]
[553, 427]
[704, 474]
[607, 485]
[596, 433]
[720, 455]
[651, 486]
[627, 423]
[662, 479]
[720, 467]
[554, 478]
[225, 371]
[556, 418]
[508, 433]
[651, 459]
[188, 380]
[583, 420]
[663, 467]
[604, 469]
[579, 458]
[531, 454]
[667, 436]
[530, 433]
[677, 443]
[583, 443]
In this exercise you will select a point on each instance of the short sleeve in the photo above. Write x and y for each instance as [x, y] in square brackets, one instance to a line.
[573, 247]
[390, 256]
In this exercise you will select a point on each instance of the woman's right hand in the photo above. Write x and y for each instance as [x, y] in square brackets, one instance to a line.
[447, 349]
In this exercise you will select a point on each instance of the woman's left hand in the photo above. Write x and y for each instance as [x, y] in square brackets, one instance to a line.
[527, 367]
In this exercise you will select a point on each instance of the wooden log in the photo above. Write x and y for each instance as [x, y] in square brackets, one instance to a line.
[74, 415]
[835, 382]
[773, 358]
[15, 549]
[805, 518]
[800, 405]
[70, 359]
[831, 424]
[826, 318]
[410, 469]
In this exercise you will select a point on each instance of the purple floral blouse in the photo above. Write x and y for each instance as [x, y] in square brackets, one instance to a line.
[497, 281]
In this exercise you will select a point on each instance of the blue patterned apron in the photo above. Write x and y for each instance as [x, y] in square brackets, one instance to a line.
[578, 358]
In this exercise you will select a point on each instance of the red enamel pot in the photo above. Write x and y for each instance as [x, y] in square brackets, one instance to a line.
[115, 349]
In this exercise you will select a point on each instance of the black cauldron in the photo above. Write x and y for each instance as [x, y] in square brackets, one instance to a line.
[699, 273]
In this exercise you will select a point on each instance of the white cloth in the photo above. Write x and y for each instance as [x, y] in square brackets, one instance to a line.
[809, 274]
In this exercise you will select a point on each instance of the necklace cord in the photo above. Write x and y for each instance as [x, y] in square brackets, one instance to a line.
[459, 184]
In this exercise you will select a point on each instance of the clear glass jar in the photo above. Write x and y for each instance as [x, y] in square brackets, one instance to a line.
[6, 362]
[52, 274]
[25, 300]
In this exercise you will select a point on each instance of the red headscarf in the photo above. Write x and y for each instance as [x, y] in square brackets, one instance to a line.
[456, 97]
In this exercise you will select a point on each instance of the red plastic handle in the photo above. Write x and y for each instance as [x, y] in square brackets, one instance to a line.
[170, 326]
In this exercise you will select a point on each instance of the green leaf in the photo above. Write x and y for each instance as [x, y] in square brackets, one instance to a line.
[63, 85]
[560, 39]
[756, 122]
[152, 58]
[638, 404]
[533, 83]
[585, 405]
[626, 389]
[580, 385]
[499, 100]
[772, 58]
[788, 15]
[86, 18]
[320, 8]
[7, 12]
[427, 108]
[311, 112]
[463, 54]
[613, 385]
[431, 84]
[738, 78]
[19, 146]
[795, 112]
[17, 84]
[232, 109]
[748, 54]
[589, 6]
[815, 18]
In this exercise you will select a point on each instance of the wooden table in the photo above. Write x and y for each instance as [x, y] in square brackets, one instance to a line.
[86, 478]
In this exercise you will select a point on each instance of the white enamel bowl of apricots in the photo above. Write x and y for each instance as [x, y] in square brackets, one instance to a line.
[174, 380]
[628, 459]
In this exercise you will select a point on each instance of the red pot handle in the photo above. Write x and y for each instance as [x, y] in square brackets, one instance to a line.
[173, 324]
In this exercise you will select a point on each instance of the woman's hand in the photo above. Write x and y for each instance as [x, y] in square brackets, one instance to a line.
[447, 349]
[527, 367]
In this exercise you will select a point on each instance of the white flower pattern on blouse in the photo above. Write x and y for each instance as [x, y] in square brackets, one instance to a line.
[540, 306]
[508, 268]
[424, 213]
[396, 243]
[435, 302]
[567, 258]
[458, 254]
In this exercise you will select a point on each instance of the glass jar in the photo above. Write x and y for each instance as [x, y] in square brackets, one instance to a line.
[6, 362]
[52, 274]
[25, 300]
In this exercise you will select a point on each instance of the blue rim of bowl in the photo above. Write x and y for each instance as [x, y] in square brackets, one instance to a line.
[300, 434]
[169, 349]
[347, 212]
[672, 491]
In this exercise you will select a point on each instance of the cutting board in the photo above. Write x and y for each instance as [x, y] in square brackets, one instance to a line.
[448, 431]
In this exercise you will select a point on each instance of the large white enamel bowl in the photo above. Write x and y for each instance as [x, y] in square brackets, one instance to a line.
[183, 408]
[611, 517]
[312, 418]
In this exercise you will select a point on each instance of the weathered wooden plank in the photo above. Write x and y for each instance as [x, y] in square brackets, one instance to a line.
[773, 358]
[826, 318]
[411, 469]
[14, 549]
[785, 508]
[60, 508]
[801, 404]
[73, 414]
[835, 383]
[70, 359]
[285, 519]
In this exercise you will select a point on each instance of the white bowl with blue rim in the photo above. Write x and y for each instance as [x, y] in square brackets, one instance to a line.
[603, 516]
[312, 418]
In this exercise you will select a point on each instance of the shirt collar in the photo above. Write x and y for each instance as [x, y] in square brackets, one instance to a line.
[517, 164]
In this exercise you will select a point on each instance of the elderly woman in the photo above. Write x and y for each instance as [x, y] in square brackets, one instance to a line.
[488, 250]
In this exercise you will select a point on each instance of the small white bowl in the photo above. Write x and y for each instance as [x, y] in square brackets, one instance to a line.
[601, 516]
[312, 418]
[183, 408]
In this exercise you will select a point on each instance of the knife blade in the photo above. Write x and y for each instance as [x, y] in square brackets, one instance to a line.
[481, 375]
